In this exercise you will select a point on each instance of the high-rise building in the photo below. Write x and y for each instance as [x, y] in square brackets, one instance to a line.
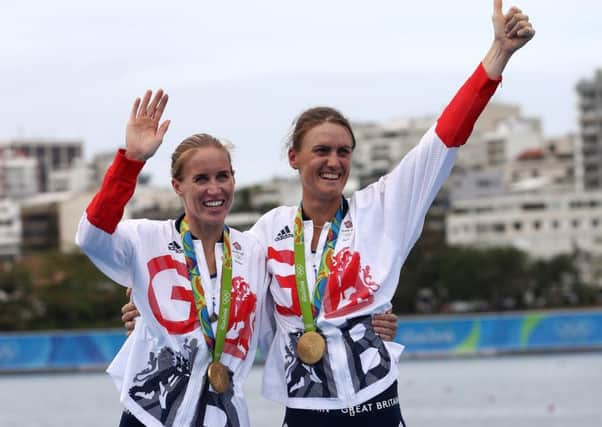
[590, 130]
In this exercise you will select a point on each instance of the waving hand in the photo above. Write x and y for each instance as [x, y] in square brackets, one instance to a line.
[143, 133]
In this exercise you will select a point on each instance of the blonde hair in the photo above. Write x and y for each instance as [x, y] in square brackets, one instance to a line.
[199, 140]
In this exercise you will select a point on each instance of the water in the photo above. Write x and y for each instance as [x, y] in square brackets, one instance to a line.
[519, 391]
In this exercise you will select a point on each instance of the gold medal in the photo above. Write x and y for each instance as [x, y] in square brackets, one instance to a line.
[213, 318]
[218, 376]
[311, 347]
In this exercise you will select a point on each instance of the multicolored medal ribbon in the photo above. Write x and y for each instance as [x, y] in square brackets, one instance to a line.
[311, 344]
[217, 372]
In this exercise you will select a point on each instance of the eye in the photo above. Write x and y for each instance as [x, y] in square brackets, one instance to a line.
[321, 149]
[345, 151]
[223, 176]
[201, 179]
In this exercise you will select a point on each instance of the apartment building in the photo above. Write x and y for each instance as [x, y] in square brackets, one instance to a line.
[51, 155]
[542, 224]
[381, 145]
[18, 174]
[550, 168]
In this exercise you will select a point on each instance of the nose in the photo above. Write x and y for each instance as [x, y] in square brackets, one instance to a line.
[332, 159]
[213, 187]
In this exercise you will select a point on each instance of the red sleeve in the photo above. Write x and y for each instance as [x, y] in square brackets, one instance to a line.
[457, 120]
[106, 208]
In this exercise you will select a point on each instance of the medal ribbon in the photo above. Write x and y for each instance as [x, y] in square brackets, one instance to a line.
[214, 343]
[308, 310]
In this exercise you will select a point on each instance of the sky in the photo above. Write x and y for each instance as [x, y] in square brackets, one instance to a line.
[244, 70]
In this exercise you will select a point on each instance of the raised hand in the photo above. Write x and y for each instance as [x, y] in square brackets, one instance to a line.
[143, 133]
[511, 30]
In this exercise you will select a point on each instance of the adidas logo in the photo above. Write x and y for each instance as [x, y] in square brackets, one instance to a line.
[285, 233]
[173, 246]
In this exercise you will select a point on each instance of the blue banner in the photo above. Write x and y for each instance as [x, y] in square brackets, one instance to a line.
[524, 332]
[434, 335]
[59, 350]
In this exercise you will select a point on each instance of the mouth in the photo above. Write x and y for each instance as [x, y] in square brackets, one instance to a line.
[331, 176]
[214, 203]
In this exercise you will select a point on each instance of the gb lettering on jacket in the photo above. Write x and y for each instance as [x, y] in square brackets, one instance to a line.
[171, 301]
[350, 286]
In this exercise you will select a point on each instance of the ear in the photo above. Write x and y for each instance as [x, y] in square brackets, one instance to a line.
[176, 185]
[292, 158]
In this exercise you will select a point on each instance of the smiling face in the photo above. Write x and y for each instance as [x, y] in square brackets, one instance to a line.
[323, 160]
[205, 185]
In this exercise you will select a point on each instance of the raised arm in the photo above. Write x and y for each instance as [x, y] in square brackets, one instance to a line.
[143, 137]
[511, 31]
[111, 247]
[416, 180]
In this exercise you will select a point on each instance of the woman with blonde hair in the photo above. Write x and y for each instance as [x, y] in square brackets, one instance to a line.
[197, 283]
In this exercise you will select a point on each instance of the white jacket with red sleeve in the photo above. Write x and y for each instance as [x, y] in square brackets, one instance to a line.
[383, 222]
[160, 371]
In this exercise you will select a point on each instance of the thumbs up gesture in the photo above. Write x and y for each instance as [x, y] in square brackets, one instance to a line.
[512, 30]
